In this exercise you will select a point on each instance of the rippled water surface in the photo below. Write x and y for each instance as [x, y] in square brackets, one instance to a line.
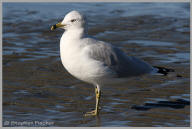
[37, 90]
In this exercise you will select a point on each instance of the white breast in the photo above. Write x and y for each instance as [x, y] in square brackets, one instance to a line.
[77, 62]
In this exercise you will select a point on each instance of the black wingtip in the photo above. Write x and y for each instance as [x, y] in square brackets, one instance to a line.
[164, 70]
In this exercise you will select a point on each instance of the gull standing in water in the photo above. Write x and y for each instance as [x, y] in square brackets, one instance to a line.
[96, 62]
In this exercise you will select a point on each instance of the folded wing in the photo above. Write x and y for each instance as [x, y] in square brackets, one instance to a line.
[117, 61]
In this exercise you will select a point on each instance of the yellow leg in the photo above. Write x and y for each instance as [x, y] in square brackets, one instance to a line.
[96, 111]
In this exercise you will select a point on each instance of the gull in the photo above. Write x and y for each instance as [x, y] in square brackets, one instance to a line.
[97, 62]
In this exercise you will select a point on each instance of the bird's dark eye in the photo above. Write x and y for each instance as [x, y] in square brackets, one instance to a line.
[73, 20]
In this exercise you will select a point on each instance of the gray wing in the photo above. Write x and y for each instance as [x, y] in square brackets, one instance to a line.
[117, 61]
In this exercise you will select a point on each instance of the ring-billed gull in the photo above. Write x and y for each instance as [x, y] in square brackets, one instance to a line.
[96, 62]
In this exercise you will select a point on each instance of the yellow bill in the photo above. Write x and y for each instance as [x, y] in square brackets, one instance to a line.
[58, 25]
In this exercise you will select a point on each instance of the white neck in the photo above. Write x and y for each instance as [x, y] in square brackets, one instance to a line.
[74, 33]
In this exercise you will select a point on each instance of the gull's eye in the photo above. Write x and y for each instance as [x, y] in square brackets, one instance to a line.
[73, 20]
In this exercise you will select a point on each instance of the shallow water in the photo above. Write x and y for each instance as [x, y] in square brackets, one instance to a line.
[37, 90]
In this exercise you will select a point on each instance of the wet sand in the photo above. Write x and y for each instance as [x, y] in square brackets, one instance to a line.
[37, 89]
